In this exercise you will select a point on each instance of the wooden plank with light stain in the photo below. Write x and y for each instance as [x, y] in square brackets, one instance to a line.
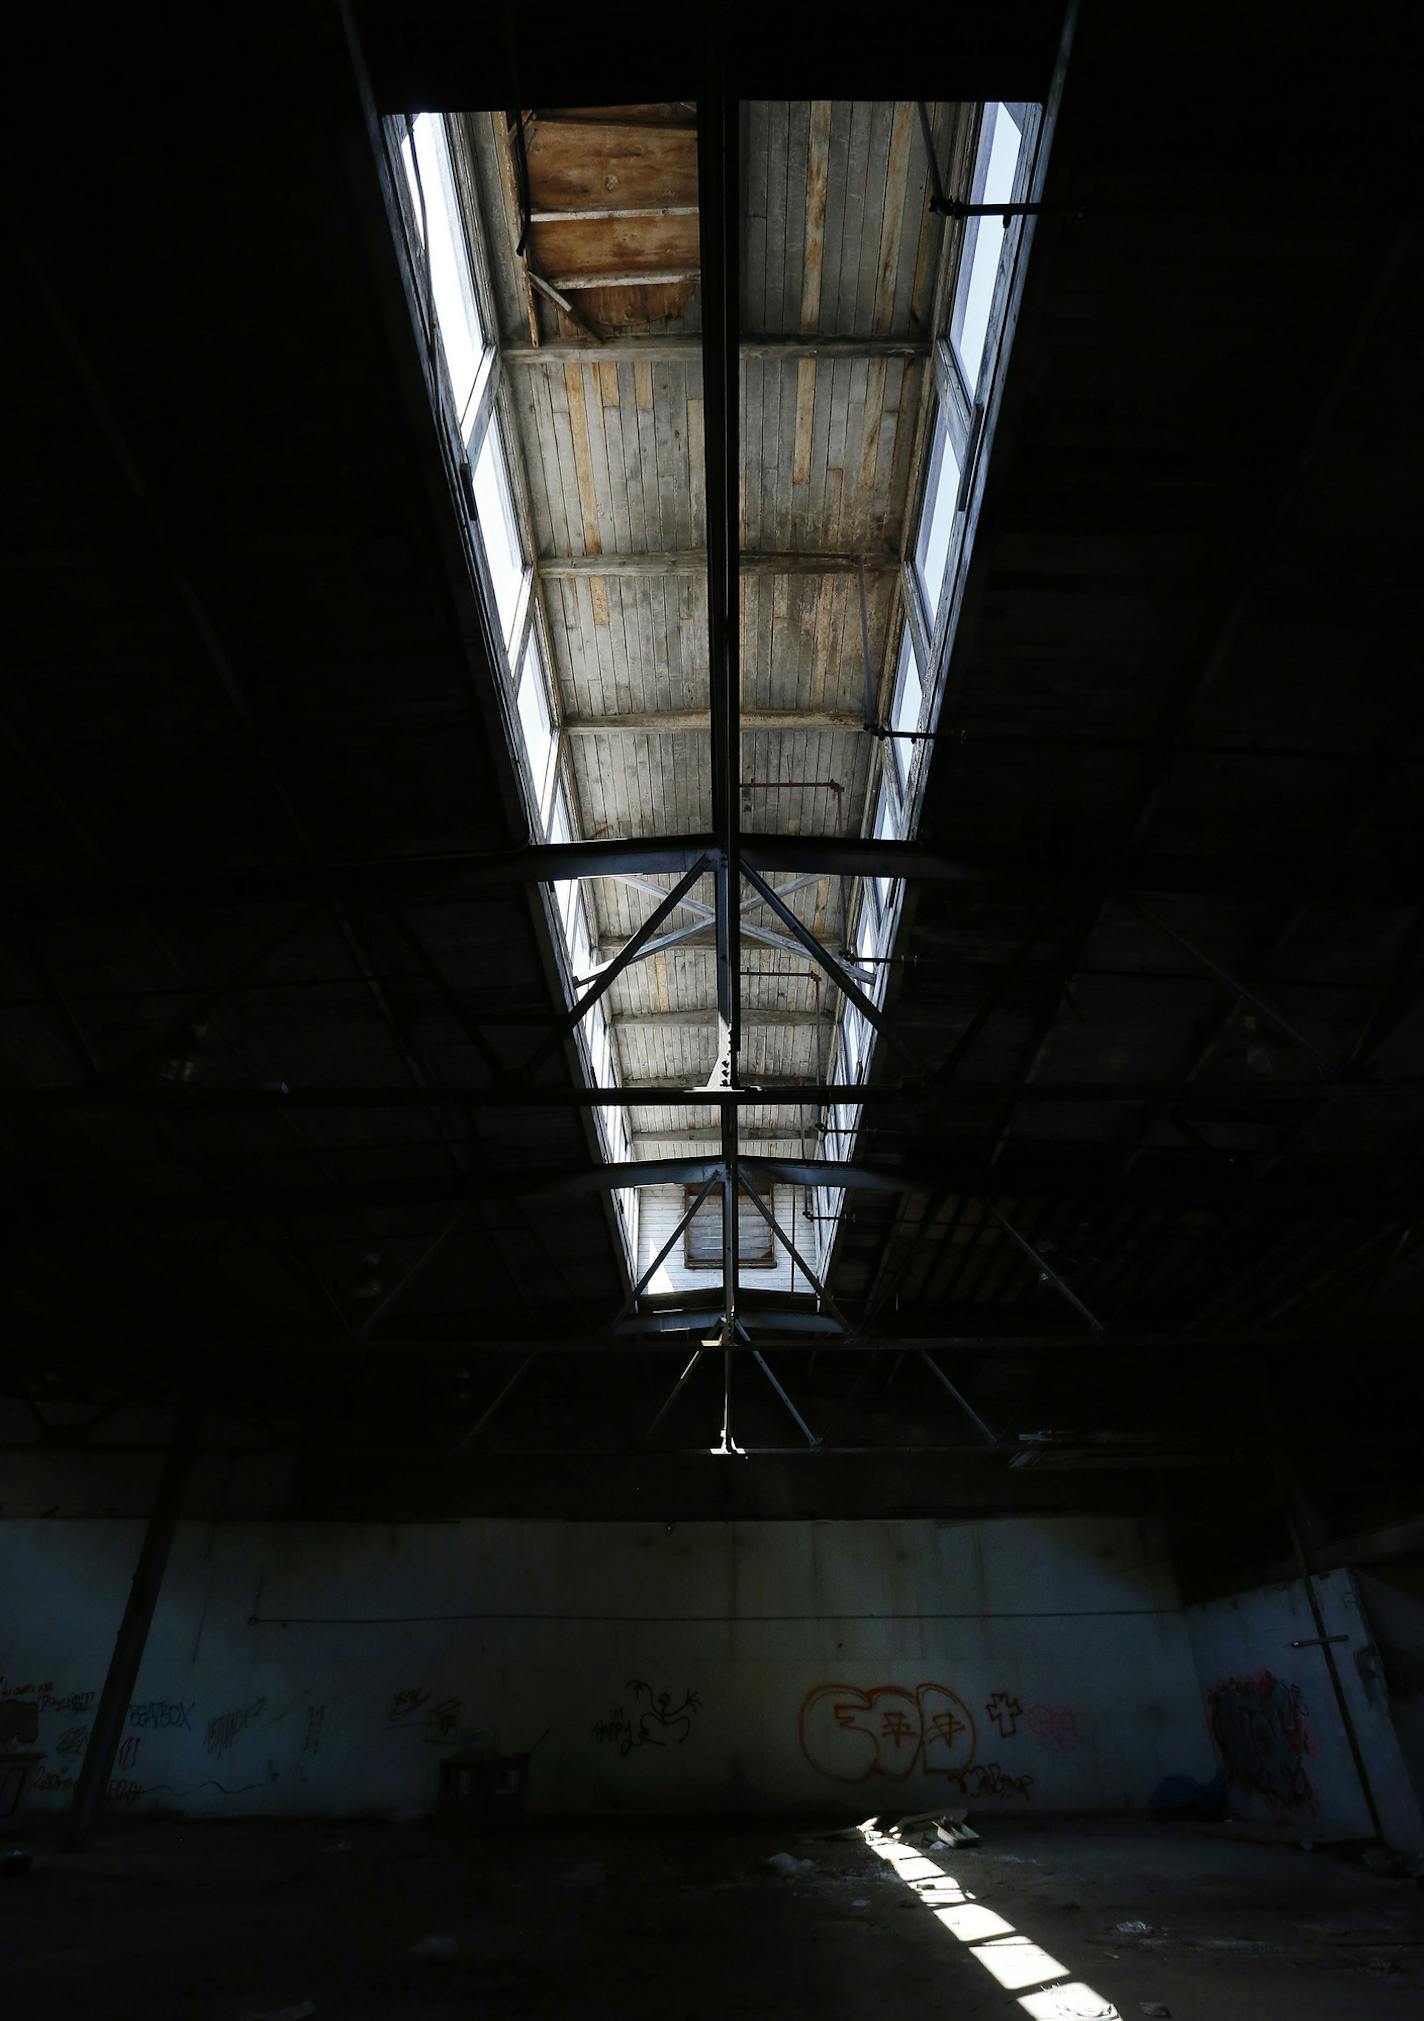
[892, 223]
[873, 217]
[688, 349]
[693, 561]
[575, 164]
[613, 211]
[509, 191]
[624, 277]
[587, 493]
[575, 254]
[817, 173]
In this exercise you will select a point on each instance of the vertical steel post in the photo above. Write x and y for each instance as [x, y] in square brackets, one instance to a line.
[718, 156]
[133, 1630]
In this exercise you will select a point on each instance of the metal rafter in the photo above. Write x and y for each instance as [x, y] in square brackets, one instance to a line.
[613, 969]
[838, 974]
[718, 156]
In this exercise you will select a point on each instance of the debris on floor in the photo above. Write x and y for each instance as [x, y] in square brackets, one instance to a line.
[1134, 1929]
[1158, 2009]
[789, 1866]
[918, 1821]
[934, 1828]
[1250, 1931]
[434, 1950]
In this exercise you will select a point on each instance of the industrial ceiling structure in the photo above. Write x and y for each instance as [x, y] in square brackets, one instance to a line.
[396, 910]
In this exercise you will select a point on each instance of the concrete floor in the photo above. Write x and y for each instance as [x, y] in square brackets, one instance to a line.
[684, 1921]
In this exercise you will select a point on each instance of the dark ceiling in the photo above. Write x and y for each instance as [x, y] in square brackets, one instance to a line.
[1170, 1014]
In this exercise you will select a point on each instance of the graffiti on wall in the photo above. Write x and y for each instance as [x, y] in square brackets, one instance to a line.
[119, 1789]
[228, 1726]
[1055, 1725]
[1258, 1724]
[1006, 1712]
[852, 1734]
[163, 1714]
[654, 1721]
[438, 1720]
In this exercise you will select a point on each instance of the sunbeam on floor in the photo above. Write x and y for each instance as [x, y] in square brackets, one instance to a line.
[1046, 1988]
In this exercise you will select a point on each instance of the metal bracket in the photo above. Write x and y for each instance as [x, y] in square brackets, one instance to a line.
[1317, 1641]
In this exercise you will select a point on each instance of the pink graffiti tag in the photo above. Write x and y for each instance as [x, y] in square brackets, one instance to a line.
[1055, 1724]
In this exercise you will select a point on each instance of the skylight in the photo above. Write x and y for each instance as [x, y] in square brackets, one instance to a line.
[431, 178]
[942, 539]
[540, 747]
[905, 710]
[495, 512]
[578, 456]
[999, 145]
[937, 522]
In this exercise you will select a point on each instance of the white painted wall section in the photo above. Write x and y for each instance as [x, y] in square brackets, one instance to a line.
[1276, 1720]
[827, 1668]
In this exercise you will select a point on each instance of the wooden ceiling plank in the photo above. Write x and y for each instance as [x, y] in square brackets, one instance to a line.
[693, 562]
[581, 253]
[509, 191]
[576, 164]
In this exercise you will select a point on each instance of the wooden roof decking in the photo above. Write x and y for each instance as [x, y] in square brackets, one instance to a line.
[838, 248]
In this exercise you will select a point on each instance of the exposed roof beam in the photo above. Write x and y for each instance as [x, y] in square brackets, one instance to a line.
[1043, 1171]
[694, 722]
[1088, 865]
[702, 1019]
[625, 277]
[613, 211]
[684, 1092]
[749, 1133]
[693, 561]
[688, 350]
[279, 1350]
[704, 918]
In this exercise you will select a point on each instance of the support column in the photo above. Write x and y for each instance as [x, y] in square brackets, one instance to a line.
[133, 1630]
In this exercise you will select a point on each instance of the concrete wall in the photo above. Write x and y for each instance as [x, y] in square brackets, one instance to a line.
[1276, 1719]
[829, 1667]
[1393, 1599]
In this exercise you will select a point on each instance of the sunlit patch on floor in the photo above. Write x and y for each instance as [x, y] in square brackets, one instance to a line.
[1045, 1990]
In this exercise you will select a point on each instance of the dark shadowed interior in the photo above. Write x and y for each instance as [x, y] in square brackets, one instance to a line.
[712, 1014]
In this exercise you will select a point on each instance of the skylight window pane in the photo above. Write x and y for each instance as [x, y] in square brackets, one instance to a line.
[886, 830]
[561, 830]
[495, 510]
[600, 1045]
[576, 934]
[937, 518]
[853, 1030]
[867, 938]
[905, 714]
[539, 742]
[451, 281]
[984, 241]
